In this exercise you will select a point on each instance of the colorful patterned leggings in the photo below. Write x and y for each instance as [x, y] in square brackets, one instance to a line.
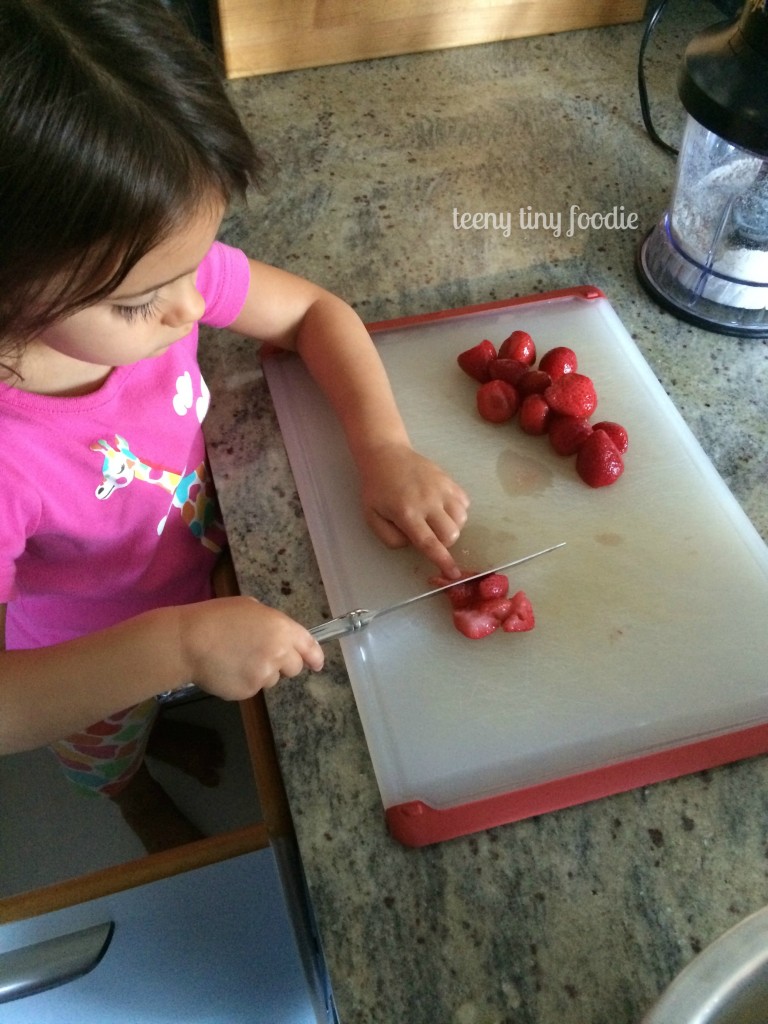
[104, 757]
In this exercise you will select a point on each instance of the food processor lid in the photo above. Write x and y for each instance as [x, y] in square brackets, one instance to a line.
[723, 81]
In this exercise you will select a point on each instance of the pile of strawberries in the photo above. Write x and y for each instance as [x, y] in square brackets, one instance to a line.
[482, 606]
[552, 399]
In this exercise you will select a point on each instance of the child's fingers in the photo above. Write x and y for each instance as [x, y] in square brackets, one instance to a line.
[440, 556]
[312, 654]
[388, 533]
[431, 540]
[303, 653]
[457, 507]
[448, 523]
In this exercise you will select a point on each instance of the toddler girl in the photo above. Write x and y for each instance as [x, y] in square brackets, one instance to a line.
[119, 153]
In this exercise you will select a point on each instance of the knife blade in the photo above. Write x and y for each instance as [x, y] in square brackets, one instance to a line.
[360, 618]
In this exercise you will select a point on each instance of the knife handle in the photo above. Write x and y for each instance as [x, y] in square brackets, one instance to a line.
[352, 622]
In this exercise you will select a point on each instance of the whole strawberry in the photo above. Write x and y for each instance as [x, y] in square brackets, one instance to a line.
[573, 394]
[519, 345]
[598, 460]
[558, 361]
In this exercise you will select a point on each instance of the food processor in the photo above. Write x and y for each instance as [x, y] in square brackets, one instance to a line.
[706, 260]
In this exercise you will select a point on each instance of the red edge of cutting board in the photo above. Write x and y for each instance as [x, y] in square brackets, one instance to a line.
[417, 824]
[586, 291]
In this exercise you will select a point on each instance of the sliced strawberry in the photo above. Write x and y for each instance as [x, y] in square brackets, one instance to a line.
[510, 370]
[497, 401]
[566, 433]
[534, 415]
[495, 585]
[499, 607]
[475, 624]
[480, 607]
[616, 432]
[558, 361]
[476, 361]
[534, 382]
[573, 394]
[598, 460]
[520, 618]
[462, 595]
[519, 345]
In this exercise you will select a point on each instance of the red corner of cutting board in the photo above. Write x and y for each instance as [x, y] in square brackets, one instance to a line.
[582, 291]
[415, 823]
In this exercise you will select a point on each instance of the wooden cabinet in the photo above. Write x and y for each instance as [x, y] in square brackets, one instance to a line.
[261, 36]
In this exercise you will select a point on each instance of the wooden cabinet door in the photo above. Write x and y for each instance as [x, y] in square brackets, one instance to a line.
[261, 36]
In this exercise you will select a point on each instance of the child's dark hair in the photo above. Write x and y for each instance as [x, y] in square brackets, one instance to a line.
[114, 126]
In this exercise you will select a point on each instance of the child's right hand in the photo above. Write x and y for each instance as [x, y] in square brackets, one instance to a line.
[236, 646]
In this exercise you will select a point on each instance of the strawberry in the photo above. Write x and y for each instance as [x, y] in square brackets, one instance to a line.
[495, 585]
[474, 623]
[520, 618]
[616, 432]
[476, 361]
[497, 401]
[519, 345]
[573, 394]
[566, 433]
[510, 370]
[558, 361]
[499, 607]
[534, 382]
[480, 607]
[598, 460]
[460, 596]
[464, 593]
[534, 415]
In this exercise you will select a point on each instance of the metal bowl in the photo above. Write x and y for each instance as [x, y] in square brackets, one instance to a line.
[727, 983]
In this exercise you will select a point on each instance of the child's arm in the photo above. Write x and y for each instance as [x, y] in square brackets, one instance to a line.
[232, 647]
[406, 498]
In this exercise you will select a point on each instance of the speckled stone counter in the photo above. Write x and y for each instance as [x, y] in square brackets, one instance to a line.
[581, 916]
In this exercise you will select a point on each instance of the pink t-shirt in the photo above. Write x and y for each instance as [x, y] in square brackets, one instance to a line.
[106, 504]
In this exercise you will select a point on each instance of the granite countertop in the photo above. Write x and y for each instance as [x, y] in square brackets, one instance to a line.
[584, 915]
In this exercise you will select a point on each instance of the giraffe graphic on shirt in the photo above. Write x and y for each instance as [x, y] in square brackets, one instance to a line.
[191, 493]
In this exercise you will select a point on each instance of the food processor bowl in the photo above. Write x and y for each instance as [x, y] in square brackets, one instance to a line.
[707, 258]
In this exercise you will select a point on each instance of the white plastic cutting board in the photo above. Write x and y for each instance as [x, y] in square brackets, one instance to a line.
[651, 624]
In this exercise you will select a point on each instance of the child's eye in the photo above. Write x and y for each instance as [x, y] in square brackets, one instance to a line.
[145, 311]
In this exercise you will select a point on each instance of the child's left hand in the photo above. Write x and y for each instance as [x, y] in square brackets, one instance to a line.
[407, 499]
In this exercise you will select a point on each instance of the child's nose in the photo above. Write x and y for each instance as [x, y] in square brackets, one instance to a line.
[186, 306]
